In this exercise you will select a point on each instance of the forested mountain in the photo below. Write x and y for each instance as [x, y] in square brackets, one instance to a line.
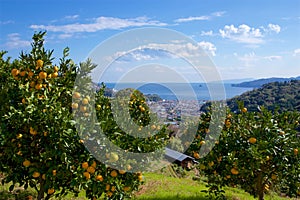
[284, 96]
[259, 82]
[275, 95]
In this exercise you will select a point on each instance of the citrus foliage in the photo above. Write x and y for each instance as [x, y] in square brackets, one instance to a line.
[257, 151]
[40, 146]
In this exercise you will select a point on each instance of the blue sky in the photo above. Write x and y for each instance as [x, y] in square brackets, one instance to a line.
[244, 39]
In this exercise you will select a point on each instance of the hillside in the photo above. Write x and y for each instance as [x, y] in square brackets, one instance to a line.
[260, 82]
[276, 95]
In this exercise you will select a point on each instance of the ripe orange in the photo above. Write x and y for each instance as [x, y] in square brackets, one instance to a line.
[126, 188]
[30, 74]
[234, 171]
[44, 176]
[107, 187]
[39, 64]
[211, 163]
[202, 142]
[99, 178]
[51, 191]
[83, 108]
[114, 173]
[295, 152]
[76, 95]
[36, 174]
[85, 165]
[129, 167]
[87, 175]
[252, 140]
[15, 72]
[74, 105]
[38, 86]
[32, 131]
[26, 163]
[196, 155]
[113, 188]
[109, 194]
[274, 176]
[153, 127]
[122, 171]
[22, 73]
[244, 110]
[32, 84]
[55, 68]
[54, 172]
[54, 75]
[281, 132]
[85, 101]
[94, 164]
[43, 75]
[23, 101]
[91, 170]
[140, 178]
[142, 109]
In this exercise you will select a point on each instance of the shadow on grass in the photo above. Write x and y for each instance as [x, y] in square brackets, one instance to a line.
[19, 195]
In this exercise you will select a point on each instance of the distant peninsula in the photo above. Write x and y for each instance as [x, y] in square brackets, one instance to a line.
[260, 82]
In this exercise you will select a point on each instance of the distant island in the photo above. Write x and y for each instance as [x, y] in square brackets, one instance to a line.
[260, 82]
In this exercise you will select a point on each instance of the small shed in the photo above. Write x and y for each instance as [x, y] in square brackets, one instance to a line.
[180, 159]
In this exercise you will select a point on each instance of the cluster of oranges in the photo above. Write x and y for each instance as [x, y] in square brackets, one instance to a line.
[81, 103]
[90, 170]
[36, 174]
[38, 76]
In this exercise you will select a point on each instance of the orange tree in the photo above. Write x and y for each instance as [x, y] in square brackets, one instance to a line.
[40, 146]
[257, 151]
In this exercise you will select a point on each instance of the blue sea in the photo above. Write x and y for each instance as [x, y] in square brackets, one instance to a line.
[184, 91]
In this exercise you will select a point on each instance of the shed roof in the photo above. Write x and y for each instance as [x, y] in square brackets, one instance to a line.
[177, 155]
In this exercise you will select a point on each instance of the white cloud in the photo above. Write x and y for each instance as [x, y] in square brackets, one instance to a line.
[65, 35]
[100, 23]
[71, 17]
[208, 47]
[273, 58]
[14, 41]
[155, 51]
[296, 52]
[6, 22]
[200, 18]
[274, 27]
[250, 59]
[188, 19]
[242, 34]
[208, 33]
[246, 34]
[218, 14]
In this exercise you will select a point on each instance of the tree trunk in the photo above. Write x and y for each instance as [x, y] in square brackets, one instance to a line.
[260, 187]
[41, 192]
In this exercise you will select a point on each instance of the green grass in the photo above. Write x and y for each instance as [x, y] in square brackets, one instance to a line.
[161, 187]
[158, 186]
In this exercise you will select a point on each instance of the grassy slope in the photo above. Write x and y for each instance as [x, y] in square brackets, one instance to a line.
[157, 187]
[160, 187]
